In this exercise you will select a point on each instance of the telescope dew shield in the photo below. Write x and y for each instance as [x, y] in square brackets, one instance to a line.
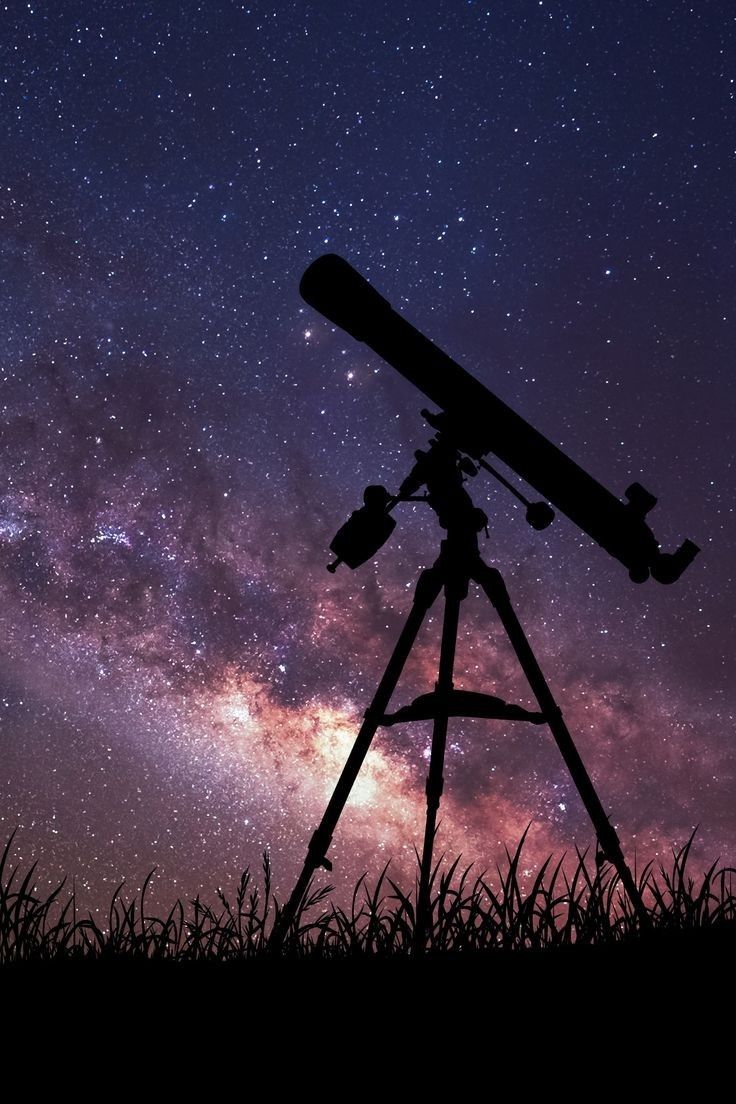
[336, 290]
[479, 422]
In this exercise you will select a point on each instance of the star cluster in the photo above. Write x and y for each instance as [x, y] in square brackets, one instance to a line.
[545, 189]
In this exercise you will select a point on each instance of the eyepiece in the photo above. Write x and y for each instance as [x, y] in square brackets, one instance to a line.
[669, 566]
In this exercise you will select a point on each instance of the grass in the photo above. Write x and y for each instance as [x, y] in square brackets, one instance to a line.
[564, 905]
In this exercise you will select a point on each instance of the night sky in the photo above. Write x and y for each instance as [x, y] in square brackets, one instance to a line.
[546, 190]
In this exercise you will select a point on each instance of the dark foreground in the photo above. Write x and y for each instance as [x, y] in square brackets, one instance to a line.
[199, 988]
[644, 1021]
[643, 975]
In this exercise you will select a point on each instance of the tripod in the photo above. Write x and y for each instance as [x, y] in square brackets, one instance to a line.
[458, 564]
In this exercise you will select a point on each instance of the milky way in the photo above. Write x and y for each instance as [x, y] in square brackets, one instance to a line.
[546, 191]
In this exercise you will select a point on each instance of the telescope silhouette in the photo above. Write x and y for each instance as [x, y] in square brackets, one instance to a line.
[478, 423]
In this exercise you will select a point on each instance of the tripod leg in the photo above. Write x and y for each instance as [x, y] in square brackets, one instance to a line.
[435, 780]
[493, 585]
[427, 589]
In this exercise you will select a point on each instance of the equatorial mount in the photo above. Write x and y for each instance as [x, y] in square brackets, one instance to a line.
[442, 468]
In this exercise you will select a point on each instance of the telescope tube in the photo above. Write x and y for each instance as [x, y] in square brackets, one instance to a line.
[478, 422]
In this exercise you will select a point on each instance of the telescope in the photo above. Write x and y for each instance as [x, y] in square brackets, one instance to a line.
[478, 423]
[471, 423]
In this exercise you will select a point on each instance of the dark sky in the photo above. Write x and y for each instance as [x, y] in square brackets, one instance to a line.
[546, 190]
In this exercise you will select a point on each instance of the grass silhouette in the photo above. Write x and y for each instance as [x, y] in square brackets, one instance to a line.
[470, 915]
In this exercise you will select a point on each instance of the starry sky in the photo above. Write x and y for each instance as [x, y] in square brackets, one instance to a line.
[546, 190]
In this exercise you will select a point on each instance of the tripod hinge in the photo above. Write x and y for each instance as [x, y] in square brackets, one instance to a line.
[609, 847]
[434, 788]
[318, 851]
